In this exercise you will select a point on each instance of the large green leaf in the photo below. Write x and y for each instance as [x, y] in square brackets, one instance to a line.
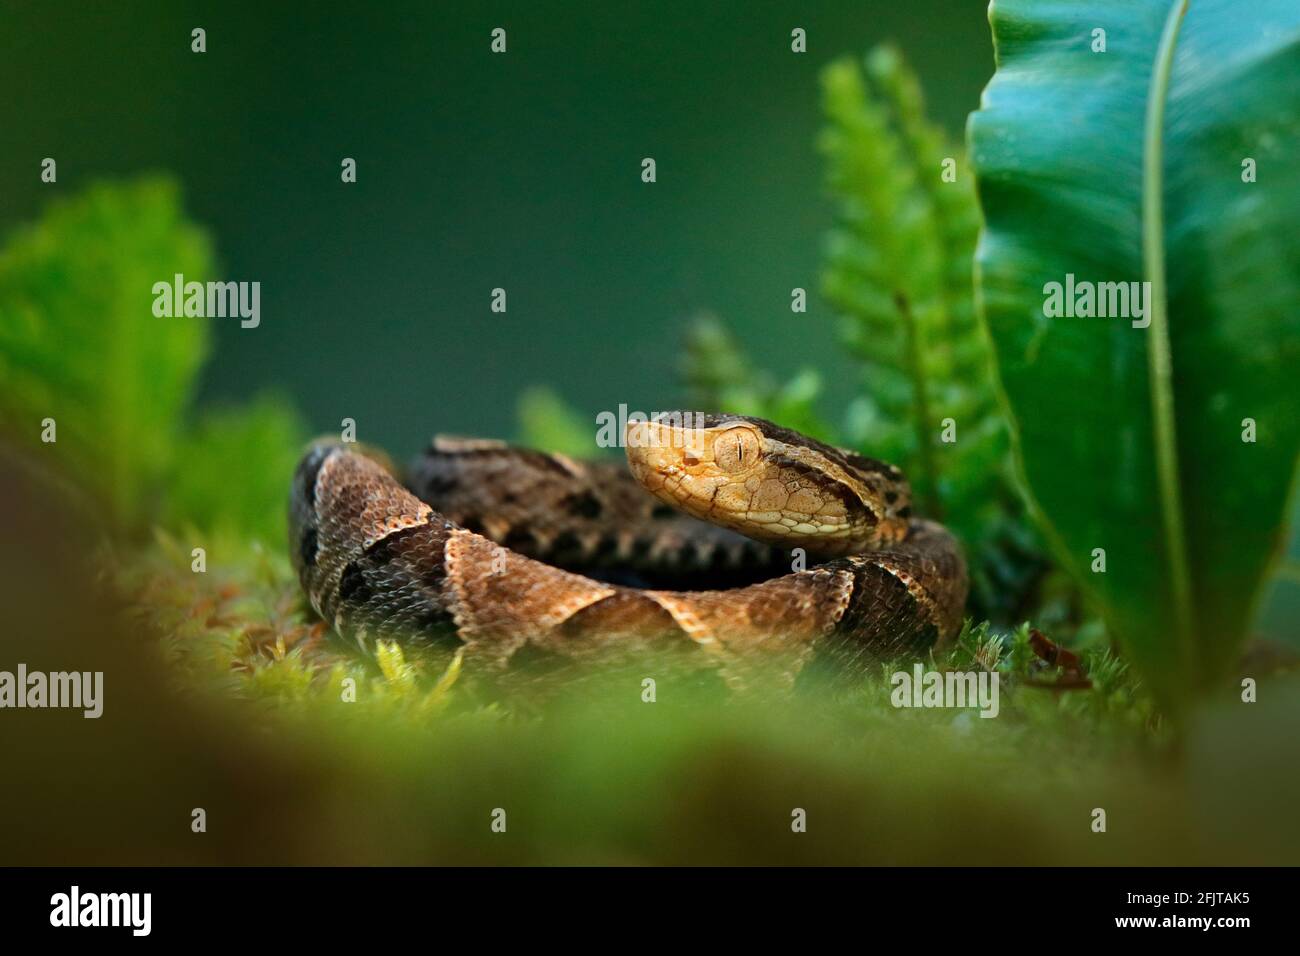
[1128, 165]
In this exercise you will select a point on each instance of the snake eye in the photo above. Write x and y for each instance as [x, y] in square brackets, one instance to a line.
[735, 450]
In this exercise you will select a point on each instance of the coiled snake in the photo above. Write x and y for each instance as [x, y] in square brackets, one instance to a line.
[516, 553]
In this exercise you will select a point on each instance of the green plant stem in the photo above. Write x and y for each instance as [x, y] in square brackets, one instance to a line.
[1158, 353]
[924, 424]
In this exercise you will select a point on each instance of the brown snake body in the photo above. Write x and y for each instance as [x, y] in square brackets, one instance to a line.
[503, 549]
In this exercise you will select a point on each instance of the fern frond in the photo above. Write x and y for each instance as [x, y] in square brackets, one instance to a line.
[883, 269]
[898, 269]
[79, 343]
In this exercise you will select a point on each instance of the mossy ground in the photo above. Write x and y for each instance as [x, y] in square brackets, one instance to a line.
[588, 772]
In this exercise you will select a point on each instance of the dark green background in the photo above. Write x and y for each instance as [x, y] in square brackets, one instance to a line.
[474, 171]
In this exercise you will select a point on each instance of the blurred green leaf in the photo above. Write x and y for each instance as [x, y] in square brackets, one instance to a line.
[548, 423]
[233, 470]
[1130, 437]
[79, 342]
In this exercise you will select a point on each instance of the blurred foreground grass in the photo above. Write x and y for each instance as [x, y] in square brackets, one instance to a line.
[222, 693]
[587, 772]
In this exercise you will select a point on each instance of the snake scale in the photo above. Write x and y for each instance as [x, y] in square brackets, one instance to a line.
[726, 535]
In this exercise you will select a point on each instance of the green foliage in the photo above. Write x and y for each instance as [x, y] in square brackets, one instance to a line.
[233, 469]
[898, 269]
[548, 423]
[1131, 438]
[720, 378]
[404, 683]
[79, 342]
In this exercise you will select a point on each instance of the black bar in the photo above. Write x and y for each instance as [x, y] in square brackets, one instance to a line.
[319, 905]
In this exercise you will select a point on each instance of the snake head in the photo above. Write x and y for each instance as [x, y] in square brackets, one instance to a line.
[692, 443]
[768, 483]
